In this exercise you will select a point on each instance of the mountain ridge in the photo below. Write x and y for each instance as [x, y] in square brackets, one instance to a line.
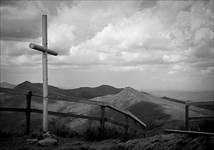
[91, 92]
[7, 85]
[82, 92]
[155, 111]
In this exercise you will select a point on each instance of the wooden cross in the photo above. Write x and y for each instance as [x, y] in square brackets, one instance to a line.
[44, 49]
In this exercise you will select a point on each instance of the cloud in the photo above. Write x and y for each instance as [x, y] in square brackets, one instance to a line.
[177, 68]
[86, 18]
[14, 49]
[173, 58]
[121, 35]
[20, 21]
[60, 37]
[139, 38]
[151, 44]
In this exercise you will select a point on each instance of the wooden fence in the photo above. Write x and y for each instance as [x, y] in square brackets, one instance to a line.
[28, 110]
[188, 118]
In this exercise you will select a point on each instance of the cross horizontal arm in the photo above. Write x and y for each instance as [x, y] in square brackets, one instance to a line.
[42, 49]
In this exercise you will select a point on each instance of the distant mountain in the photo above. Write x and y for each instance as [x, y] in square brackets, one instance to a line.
[172, 99]
[9, 99]
[83, 92]
[156, 112]
[37, 88]
[7, 85]
[88, 92]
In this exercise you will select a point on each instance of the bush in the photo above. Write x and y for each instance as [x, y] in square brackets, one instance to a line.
[58, 128]
[207, 126]
[13, 132]
[94, 133]
[5, 133]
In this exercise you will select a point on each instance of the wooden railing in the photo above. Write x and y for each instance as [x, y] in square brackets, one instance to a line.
[188, 118]
[28, 110]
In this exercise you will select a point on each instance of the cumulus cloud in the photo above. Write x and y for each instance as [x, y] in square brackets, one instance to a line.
[173, 58]
[19, 21]
[123, 35]
[84, 19]
[149, 37]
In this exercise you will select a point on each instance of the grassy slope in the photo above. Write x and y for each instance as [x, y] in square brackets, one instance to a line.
[7, 85]
[156, 112]
[83, 92]
[159, 142]
[88, 92]
[19, 101]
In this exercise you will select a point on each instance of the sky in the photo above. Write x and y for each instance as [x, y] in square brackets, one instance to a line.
[158, 45]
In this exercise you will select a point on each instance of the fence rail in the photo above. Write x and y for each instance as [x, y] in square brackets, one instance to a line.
[188, 118]
[205, 103]
[189, 132]
[28, 110]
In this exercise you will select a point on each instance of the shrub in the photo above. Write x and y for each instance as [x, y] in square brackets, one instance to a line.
[58, 127]
[94, 133]
[206, 126]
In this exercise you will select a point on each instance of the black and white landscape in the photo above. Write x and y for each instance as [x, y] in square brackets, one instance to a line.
[158, 113]
[147, 58]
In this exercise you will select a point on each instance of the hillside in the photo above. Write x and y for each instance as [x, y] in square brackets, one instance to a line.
[158, 142]
[172, 99]
[83, 92]
[17, 100]
[158, 113]
[6, 85]
[36, 88]
[88, 92]
[8, 99]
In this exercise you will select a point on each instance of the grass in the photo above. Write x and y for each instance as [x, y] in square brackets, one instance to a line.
[92, 133]
[59, 128]
[203, 125]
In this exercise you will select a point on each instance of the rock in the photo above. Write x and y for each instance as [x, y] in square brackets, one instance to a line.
[31, 141]
[48, 134]
[48, 141]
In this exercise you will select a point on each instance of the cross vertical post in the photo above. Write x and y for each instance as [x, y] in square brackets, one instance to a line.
[45, 73]
[45, 51]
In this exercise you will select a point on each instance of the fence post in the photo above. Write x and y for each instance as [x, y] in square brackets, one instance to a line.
[28, 111]
[135, 130]
[102, 122]
[186, 116]
[126, 126]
